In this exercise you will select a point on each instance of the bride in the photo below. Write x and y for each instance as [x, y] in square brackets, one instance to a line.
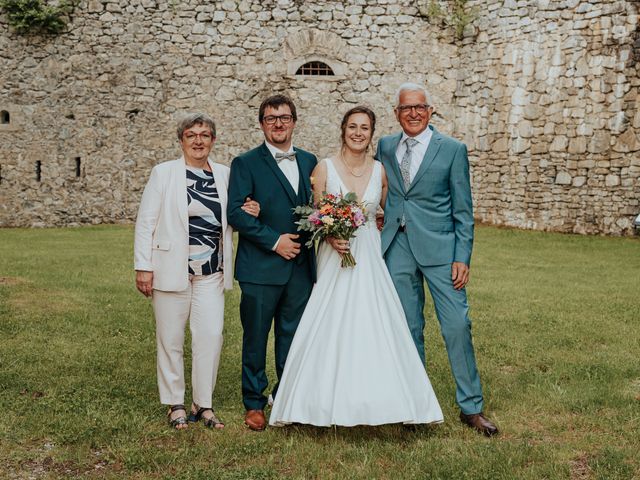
[352, 360]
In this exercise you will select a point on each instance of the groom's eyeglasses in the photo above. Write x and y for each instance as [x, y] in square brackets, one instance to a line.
[420, 108]
[272, 119]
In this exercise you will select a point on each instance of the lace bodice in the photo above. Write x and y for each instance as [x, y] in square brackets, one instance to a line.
[372, 194]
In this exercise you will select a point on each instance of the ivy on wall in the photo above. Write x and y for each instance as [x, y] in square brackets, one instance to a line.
[37, 16]
[453, 13]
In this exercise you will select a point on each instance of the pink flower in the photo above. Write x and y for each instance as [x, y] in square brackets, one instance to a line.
[315, 218]
[358, 218]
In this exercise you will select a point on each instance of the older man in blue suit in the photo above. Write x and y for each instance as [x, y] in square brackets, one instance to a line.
[428, 234]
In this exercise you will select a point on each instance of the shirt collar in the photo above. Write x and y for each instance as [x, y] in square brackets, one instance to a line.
[423, 138]
[275, 150]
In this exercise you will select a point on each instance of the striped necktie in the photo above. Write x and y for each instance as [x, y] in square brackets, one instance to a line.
[405, 164]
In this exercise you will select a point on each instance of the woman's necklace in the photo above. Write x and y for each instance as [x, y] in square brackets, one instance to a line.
[351, 170]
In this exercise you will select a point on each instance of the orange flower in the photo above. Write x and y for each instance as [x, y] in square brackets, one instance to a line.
[325, 209]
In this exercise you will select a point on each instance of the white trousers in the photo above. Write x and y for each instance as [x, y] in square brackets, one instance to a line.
[202, 303]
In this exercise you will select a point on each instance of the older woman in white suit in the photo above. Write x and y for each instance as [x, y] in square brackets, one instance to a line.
[183, 261]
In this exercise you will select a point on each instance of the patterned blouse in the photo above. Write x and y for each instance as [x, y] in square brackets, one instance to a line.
[205, 227]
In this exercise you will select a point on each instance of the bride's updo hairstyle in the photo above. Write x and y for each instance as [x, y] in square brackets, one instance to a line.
[358, 109]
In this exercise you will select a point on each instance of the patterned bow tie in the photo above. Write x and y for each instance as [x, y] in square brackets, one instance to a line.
[285, 156]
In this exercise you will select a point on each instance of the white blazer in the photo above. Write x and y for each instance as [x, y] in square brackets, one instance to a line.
[161, 242]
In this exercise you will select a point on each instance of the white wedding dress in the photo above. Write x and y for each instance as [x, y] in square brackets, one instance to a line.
[352, 360]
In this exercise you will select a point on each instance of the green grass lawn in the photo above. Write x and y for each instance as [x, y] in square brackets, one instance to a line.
[557, 336]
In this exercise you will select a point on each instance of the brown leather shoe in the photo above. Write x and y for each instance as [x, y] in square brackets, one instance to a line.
[480, 423]
[255, 420]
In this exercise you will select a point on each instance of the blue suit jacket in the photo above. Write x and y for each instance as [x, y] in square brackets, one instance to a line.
[437, 205]
[256, 174]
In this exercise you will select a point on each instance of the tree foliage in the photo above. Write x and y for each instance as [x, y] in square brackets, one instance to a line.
[453, 13]
[38, 16]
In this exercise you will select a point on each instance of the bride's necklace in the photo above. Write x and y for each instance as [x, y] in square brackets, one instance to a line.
[351, 170]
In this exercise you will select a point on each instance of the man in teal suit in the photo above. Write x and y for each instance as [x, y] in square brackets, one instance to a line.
[275, 274]
[428, 234]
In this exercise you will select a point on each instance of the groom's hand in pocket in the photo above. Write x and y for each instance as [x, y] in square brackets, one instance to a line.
[287, 247]
[459, 275]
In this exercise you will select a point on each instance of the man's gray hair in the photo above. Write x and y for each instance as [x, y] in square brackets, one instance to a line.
[198, 118]
[413, 87]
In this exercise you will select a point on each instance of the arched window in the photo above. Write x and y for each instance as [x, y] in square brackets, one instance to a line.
[5, 117]
[315, 68]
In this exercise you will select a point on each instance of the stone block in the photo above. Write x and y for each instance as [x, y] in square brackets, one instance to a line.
[563, 178]
[559, 144]
[501, 145]
[493, 177]
[374, 11]
[627, 142]
[520, 145]
[520, 97]
[532, 111]
[229, 5]
[525, 129]
[579, 181]
[600, 142]
[95, 6]
[353, 10]
[199, 50]
[539, 147]
[577, 145]
[107, 17]
[198, 28]
[612, 180]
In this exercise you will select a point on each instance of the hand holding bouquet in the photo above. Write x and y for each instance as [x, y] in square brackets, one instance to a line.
[333, 216]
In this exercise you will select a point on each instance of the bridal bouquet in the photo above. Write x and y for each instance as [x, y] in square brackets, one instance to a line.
[333, 216]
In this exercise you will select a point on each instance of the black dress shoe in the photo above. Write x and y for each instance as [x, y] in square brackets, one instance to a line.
[480, 423]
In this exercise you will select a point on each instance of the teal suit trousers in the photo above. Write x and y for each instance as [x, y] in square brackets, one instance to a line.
[451, 310]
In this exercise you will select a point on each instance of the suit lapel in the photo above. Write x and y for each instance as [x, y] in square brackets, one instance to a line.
[391, 155]
[429, 156]
[273, 165]
[305, 181]
[180, 180]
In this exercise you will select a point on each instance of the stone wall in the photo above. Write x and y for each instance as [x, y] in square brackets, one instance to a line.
[547, 101]
[544, 93]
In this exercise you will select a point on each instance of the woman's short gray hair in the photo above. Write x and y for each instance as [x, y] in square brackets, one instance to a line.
[413, 87]
[192, 119]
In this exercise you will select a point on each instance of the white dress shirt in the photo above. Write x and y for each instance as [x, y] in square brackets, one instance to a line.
[288, 167]
[418, 151]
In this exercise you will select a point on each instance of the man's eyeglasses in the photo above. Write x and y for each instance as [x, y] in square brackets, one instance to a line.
[272, 119]
[420, 108]
[191, 137]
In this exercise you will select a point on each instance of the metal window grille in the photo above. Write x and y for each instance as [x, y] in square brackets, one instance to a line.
[315, 68]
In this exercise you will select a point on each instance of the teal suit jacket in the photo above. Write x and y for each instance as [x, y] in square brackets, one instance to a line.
[256, 174]
[437, 205]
